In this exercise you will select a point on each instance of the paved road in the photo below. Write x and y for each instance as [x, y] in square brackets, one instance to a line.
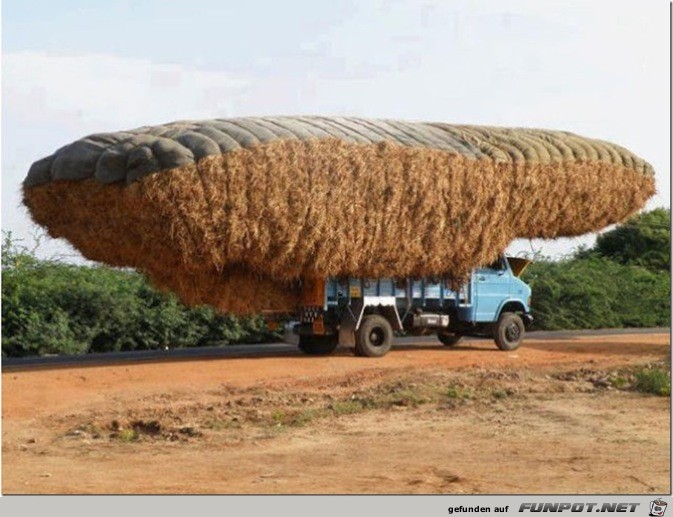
[264, 350]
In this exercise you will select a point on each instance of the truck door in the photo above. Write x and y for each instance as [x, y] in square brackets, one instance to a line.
[491, 287]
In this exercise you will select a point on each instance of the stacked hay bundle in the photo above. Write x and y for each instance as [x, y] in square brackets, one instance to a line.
[234, 213]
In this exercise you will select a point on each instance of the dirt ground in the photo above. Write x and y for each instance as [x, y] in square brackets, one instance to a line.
[553, 417]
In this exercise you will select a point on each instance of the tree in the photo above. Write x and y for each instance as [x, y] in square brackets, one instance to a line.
[643, 240]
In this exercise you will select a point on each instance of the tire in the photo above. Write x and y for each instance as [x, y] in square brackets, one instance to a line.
[448, 339]
[374, 337]
[509, 331]
[318, 345]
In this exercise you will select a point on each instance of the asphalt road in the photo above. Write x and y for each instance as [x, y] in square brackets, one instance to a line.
[258, 350]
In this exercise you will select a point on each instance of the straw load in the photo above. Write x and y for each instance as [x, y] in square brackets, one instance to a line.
[235, 213]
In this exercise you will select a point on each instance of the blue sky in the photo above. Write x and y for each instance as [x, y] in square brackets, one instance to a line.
[73, 67]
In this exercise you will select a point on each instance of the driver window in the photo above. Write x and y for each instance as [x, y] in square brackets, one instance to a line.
[498, 264]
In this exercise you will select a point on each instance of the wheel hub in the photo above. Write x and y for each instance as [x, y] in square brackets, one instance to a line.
[512, 332]
[376, 337]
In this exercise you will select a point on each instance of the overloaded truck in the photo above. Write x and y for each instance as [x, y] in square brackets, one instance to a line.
[366, 313]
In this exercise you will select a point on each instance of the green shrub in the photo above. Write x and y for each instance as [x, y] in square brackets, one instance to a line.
[53, 308]
[596, 292]
[623, 281]
[643, 240]
[653, 380]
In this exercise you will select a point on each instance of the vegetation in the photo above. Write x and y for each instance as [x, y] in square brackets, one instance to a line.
[655, 380]
[644, 240]
[623, 281]
[49, 307]
[598, 293]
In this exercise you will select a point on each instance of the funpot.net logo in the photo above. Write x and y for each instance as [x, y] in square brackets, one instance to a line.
[583, 507]
[658, 507]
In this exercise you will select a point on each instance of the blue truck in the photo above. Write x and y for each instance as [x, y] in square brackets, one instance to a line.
[366, 313]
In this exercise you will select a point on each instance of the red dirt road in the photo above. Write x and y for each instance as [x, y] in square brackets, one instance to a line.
[545, 434]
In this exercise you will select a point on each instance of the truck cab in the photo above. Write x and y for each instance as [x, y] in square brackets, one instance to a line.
[365, 313]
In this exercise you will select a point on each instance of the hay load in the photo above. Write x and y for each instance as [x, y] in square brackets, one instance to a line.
[235, 213]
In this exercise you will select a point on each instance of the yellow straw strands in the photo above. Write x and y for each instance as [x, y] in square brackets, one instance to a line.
[235, 213]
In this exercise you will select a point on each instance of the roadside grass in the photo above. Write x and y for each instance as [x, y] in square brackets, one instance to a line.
[620, 382]
[219, 424]
[396, 395]
[348, 407]
[295, 418]
[399, 394]
[276, 416]
[267, 414]
[444, 393]
[127, 435]
[652, 379]
[655, 380]
[500, 394]
[459, 393]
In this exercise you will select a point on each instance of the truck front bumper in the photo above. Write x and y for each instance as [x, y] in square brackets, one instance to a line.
[527, 320]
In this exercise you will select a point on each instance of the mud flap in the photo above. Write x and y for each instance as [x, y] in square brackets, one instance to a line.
[349, 323]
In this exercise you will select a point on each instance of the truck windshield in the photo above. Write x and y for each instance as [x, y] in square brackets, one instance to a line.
[498, 264]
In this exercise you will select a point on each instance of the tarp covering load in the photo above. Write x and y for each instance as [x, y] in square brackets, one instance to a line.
[235, 213]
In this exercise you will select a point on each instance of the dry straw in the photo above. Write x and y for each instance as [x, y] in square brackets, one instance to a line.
[239, 229]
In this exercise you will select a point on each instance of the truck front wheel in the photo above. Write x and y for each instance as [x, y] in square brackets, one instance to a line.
[318, 345]
[509, 331]
[374, 337]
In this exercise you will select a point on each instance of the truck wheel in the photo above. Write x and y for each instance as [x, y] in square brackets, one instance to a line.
[509, 331]
[374, 337]
[448, 339]
[318, 345]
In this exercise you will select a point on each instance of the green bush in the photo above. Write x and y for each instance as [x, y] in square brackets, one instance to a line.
[653, 380]
[643, 240]
[623, 281]
[54, 308]
[597, 293]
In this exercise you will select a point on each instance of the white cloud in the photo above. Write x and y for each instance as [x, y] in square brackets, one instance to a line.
[597, 68]
[113, 91]
[50, 100]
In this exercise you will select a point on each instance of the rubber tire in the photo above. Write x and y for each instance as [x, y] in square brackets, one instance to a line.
[501, 335]
[448, 339]
[364, 345]
[318, 345]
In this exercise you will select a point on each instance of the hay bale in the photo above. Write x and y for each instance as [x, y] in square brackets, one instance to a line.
[234, 213]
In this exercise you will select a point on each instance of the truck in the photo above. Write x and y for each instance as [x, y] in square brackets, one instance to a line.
[365, 313]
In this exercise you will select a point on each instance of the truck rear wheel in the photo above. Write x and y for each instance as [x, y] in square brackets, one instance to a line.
[509, 331]
[374, 337]
[448, 338]
[318, 345]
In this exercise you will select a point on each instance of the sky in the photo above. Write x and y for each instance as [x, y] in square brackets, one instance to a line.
[71, 68]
